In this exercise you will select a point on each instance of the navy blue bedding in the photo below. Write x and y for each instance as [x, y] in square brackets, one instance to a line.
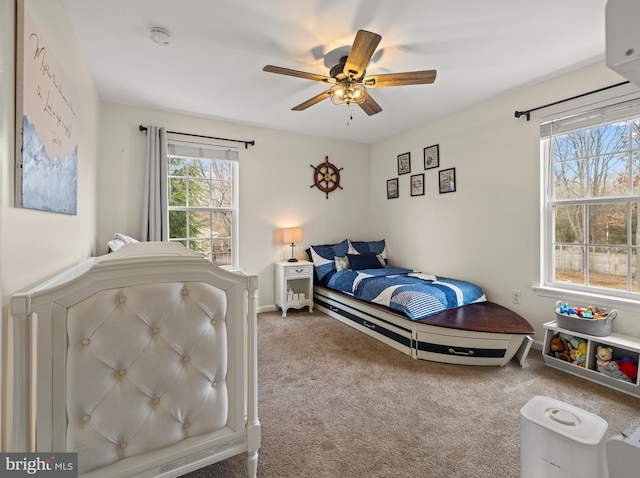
[415, 294]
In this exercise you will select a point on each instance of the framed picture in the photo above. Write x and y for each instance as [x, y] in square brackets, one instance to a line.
[417, 185]
[432, 157]
[404, 163]
[47, 118]
[447, 180]
[392, 188]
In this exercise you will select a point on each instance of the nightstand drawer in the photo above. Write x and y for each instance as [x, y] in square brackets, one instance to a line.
[293, 271]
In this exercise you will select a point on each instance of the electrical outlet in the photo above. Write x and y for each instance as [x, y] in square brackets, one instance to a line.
[515, 296]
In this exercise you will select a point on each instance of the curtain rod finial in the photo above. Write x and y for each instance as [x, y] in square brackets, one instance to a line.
[142, 128]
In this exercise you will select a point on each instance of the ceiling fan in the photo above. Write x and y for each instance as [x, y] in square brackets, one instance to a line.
[348, 80]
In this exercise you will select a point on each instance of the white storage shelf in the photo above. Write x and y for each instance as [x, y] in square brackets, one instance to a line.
[622, 345]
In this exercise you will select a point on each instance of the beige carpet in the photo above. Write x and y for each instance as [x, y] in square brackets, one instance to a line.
[336, 403]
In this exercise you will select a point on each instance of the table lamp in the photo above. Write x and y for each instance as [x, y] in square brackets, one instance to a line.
[291, 235]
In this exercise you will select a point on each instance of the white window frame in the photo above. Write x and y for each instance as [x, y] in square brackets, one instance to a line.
[615, 109]
[202, 149]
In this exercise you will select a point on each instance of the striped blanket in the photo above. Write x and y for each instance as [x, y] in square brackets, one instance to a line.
[415, 294]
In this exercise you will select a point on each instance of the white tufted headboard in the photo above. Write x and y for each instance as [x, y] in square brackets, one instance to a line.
[143, 362]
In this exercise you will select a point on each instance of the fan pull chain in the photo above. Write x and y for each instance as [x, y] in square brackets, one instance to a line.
[350, 114]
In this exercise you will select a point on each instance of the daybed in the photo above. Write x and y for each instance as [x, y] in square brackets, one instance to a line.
[426, 317]
[143, 362]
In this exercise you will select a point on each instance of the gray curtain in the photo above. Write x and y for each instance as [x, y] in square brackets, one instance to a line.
[155, 216]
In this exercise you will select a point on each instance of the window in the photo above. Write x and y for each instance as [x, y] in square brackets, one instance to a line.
[591, 199]
[203, 200]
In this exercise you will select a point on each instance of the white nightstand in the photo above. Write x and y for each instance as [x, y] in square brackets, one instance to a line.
[294, 285]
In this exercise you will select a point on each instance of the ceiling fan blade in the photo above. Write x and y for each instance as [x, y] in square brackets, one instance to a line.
[297, 73]
[400, 79]
[369, 105]
[312, 101]
[364, 46]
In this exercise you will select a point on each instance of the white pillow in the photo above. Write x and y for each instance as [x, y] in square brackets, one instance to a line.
[342, 263]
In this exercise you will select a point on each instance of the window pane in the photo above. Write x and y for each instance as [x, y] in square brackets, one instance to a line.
[221, 252]
[177, 192]
[221, 170]
[221, 193]
[609, 176]
[571, 179]
[635, 270]
[203, 246]
[608, 267]
[635, 210]
[570, 146]
[199, 192]
[569, 224]
[221, 224]
[177, 224]
[199, 224]
[635, 156]
[199, 168]
[611, 138]
[569, 264]
[177, 166]
[608, 223]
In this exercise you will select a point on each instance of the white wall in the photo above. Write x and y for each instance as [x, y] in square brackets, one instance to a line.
[275, 180]
[38, 244]
[35, 244]
[488, 230]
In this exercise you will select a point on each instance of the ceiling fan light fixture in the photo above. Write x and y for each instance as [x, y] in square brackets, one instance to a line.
[348, 93]
[349, 79]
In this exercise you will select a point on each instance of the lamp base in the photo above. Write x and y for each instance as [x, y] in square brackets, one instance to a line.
[293, 253]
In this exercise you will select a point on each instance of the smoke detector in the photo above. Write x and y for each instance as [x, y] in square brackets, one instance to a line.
[159, 35]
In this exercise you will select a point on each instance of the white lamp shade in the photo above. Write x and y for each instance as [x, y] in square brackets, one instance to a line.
[291, 235]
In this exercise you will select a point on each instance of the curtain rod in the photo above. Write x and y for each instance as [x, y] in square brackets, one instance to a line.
[246, 143]
[527, 113]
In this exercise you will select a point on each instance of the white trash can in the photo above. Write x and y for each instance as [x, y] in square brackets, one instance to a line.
[558, 440]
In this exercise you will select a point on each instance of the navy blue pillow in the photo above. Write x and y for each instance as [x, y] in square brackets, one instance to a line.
[365, 247]
[359, 247]
[323, 257]
[364, 261]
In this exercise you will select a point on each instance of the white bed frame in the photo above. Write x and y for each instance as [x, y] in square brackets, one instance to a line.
[142, 361]
[458, 341]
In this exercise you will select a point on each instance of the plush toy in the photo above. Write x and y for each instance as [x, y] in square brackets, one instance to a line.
[613, 370]
[577, 349]
[628, 366]
[603, 356]
[578, 353]
[558, 348]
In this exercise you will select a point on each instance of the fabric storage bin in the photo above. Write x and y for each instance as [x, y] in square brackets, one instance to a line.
[560, 440]
[595, 327]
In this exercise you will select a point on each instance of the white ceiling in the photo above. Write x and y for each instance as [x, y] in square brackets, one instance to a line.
[213, 65]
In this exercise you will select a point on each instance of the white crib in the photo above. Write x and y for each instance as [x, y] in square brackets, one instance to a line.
[142, 361]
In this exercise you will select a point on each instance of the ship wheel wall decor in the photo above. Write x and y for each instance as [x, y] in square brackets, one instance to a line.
[326, 177]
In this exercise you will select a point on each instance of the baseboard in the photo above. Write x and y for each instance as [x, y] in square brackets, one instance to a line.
[269, 308]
